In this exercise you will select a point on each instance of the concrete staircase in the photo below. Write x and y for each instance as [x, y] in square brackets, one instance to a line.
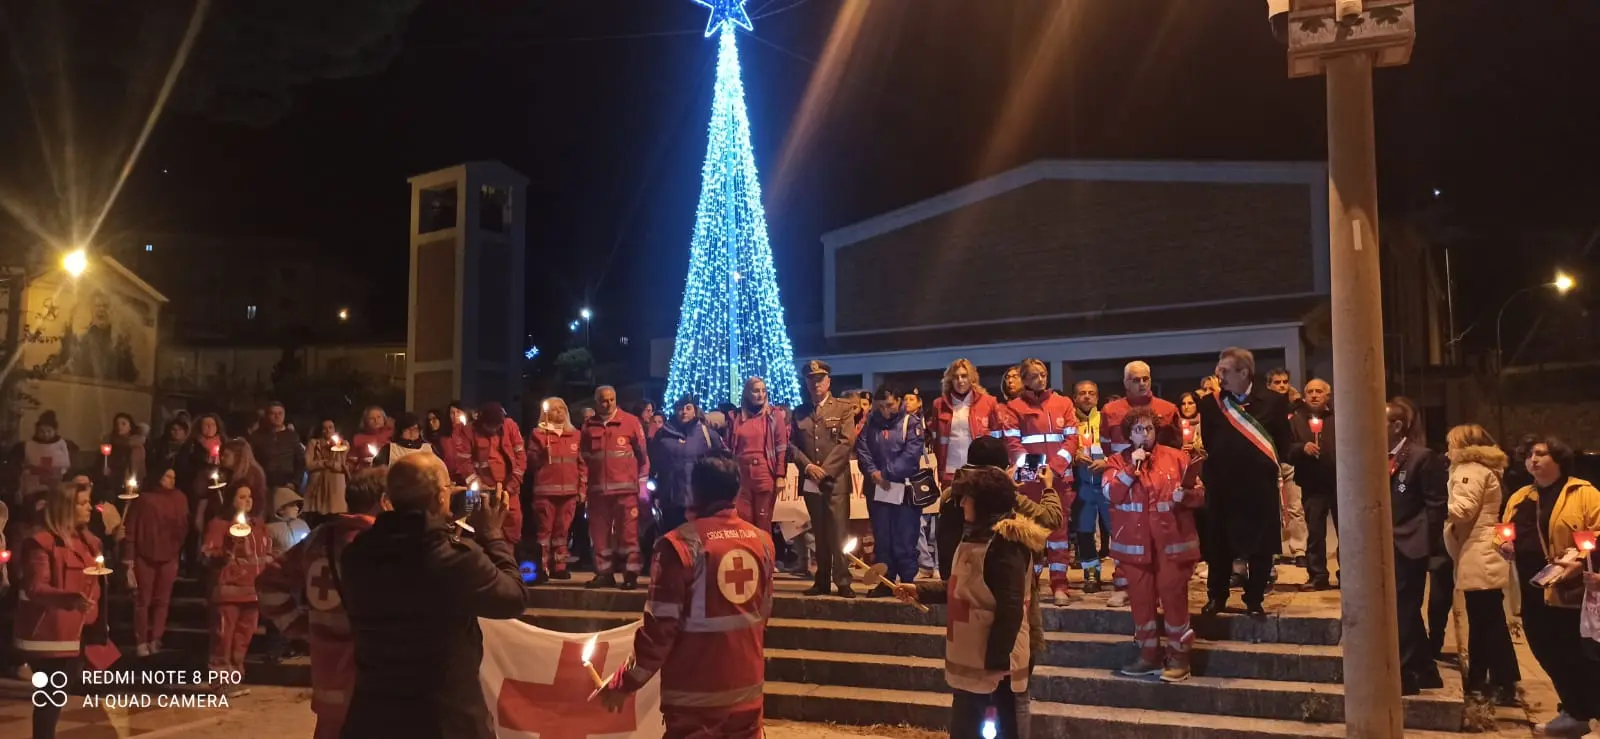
[881, 662]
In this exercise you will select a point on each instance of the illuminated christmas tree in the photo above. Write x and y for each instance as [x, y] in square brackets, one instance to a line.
[731, 327]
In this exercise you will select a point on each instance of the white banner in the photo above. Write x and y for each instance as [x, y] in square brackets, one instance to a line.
[536, 685]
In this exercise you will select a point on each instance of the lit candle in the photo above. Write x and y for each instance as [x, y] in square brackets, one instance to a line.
[336, 444]
[99, 561]
[241, 525]
[372, 452]
[1188, 433]
[1508, 532]
[545, 406]
[216, 480]
[105, 450]
[461, 418]
[1316, 429]
[5, 556]
[132, 490]
[588, 653]
[850, 551]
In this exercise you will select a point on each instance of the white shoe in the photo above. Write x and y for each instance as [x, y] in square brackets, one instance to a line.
[143, 650]
[1564, 725]
[1119, 599]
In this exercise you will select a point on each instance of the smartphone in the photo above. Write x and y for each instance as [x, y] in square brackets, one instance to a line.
[463, 503]
[1028, 471]
[1547, 576]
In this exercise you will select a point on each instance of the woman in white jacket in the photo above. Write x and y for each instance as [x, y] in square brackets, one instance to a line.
[1482, 572]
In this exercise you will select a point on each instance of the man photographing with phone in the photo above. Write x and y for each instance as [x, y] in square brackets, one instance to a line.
[414, 587]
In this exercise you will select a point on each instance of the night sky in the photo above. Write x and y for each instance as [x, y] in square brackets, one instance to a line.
[603, 105]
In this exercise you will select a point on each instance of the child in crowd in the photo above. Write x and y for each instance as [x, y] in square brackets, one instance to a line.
[233, 563]
[286, 528]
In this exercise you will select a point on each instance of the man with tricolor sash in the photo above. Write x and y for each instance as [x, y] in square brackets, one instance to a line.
[1246, 428]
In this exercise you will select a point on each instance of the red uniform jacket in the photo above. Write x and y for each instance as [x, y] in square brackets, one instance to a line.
[236, 561]
[361, 447]
[495, 458]
[710, 594]
[157, 524]
[1167, 431]
[1145, 519]
[48, 622]
[615, 452]
[300, 594]
[558, 469]
[981, 418]
[760, 443]
[1048, 427]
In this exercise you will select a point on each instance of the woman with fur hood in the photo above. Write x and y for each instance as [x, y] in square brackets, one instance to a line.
[988, 653]
[1482, 573]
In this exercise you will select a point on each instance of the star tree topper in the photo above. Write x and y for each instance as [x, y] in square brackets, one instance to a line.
[724, 12]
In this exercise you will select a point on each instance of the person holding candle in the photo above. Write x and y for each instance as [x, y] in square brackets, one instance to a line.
[1481, 572]
[59, 612]
[127, 453]
[327, 471]
[233, 563]
[712, 666]
[490, 451]
[413, 588]
[157, 523]
[1312, 454]
[376, 430]
[1544, 516]
[318, 614]
[1154, 490]
[988, 656]
[613, 446]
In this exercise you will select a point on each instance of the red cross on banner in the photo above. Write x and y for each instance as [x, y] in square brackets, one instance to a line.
[562, 709]
[956, 609]
[321, 589]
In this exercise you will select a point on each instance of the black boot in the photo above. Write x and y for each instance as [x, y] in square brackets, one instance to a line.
[607, 580]
[1091, 580]
[561, 575]
[630, 580]
[1214, 607]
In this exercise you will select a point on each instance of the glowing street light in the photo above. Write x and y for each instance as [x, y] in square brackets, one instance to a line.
[75, 262]
[344, 314]
[585, 314]
[1564, 283]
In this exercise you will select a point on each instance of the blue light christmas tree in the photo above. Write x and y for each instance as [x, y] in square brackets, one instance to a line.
[731, 327]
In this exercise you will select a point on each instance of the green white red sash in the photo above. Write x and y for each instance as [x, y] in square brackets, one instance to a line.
[1246, 424]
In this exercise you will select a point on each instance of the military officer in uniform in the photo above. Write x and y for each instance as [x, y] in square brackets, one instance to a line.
[819, 444]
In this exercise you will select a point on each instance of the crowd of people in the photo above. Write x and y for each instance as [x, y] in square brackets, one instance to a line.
[972, 498]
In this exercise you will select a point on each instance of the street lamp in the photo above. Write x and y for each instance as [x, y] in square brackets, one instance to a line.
[344, 314]
[75, 262]
[1563, 284]
[585, 314]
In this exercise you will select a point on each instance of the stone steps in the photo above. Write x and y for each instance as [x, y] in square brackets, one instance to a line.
[1314, 664]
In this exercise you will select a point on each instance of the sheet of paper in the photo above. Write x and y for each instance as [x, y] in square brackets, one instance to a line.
[811, 486]
[896, 493]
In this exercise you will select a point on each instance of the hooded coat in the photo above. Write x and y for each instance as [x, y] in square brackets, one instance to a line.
[673, 452]
[285, 531]
[1473, 512]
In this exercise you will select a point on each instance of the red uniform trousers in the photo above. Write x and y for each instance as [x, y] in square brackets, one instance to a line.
[1058, 546]
[152, 598]
[712, 725]
[614, 529]
[758, 493]
[555, 514]
[232, 627]
[1162, 581]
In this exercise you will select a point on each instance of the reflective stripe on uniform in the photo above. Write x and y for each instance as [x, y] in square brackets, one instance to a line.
[1147, 626]
[1163, 507]
[695, 699]
[1119, 446]
[1064, 454]
[634, 486]
[735, 622]
[1009, 432]
[1127, 549]
[553, 488]
[997, 434]
[1123, 478]
[1057, 545]
[663, 609]
[561, 460]
[1040, 438]
[1181, 548]
[30, 645]
[1130, 507]
[1059, 567]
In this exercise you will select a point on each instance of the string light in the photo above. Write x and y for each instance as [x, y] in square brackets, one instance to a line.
[724, 15]
[732, 325]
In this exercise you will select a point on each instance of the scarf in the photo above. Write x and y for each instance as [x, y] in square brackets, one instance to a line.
[1088, 425]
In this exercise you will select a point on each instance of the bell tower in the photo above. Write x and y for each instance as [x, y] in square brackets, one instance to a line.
[465, 335]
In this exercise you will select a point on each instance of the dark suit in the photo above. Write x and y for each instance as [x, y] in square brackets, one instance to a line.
[824, 435]
[1243, 515]
[1418, 498]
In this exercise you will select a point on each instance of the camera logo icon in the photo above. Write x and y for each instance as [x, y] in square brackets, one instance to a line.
[48, 689]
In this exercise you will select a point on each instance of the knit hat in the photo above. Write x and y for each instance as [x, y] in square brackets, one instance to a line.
[47, 418]
[989, 451]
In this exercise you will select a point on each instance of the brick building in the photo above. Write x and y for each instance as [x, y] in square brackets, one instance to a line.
[1085, 264]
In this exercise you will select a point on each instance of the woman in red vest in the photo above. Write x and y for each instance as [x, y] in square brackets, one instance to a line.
[58, 600]
[234, 564]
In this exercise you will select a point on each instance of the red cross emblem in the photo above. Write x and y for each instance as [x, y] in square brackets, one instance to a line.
[736, 576]
[321, 589]
[562, 709]
[957, 609]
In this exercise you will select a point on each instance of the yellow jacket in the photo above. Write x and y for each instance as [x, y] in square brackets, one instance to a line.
[1577, 509]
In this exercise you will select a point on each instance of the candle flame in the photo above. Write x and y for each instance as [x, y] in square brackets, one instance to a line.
[240, 519]
[588, 648]
[461, 419]
[372, 450]
[99, 560]
[133, 482]
[105, 450]
[473, 486]
[545, 406]
[5, 556]
[214, 475]
[850, 546]
[335, 439]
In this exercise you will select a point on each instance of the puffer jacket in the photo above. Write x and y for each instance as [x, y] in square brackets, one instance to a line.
[1046, 512]
[285, 531]
[673, 452]
[1474, 507]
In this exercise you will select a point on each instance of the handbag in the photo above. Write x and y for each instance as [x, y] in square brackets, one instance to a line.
[922, 488]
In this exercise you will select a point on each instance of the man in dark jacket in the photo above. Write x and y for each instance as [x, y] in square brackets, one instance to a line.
[1314, 469]
[415, 592]
[684, 440]
[278, 450]
[1246, 432]
[820, 441]
[1417, 494]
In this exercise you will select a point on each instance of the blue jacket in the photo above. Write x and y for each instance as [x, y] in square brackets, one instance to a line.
[673, 452]
[892, 446]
